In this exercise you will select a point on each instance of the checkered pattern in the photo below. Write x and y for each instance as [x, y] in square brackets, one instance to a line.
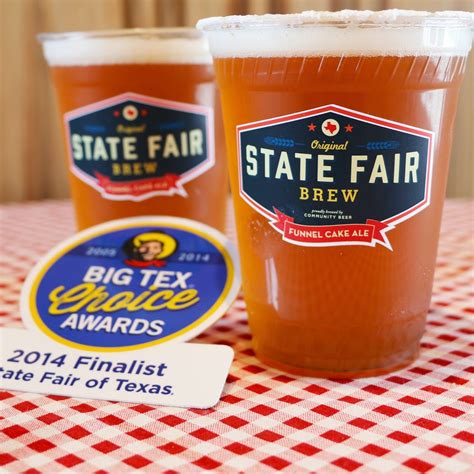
[416, 420]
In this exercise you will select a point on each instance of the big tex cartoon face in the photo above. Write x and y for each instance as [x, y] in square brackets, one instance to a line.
[151, 248]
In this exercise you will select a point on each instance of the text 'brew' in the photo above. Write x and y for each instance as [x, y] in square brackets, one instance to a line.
[339, 129]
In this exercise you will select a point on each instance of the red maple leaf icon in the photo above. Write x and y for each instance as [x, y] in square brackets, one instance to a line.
[330, 127]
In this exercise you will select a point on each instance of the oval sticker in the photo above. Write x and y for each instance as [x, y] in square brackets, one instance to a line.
[132, 283]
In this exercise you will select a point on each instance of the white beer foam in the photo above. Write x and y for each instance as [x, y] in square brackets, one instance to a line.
[346, 32]
[87, 50]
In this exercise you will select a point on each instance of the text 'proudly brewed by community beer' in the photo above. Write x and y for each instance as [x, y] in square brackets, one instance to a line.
[339, 129]
[142, 124]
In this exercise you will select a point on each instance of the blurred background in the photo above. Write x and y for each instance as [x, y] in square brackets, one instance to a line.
[32, 164]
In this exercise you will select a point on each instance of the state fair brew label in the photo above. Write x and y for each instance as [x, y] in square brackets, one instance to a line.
[334, 176]
[133, 147]
[132, 283]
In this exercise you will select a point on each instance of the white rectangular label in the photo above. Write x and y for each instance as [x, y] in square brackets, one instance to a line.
[182, 375]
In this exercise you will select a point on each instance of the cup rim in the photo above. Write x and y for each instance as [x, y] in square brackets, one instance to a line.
[144, 33]
[343, 18]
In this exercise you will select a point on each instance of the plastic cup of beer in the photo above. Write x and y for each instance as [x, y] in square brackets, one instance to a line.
[339, 129]
[142, 123]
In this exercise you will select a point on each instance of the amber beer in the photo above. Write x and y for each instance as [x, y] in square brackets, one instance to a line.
[339, 129]
[142, 124]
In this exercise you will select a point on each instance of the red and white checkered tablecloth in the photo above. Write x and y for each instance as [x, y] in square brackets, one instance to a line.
[417, 420]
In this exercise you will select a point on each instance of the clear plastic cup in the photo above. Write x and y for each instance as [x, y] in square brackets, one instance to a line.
[339, 129]
[142, 123]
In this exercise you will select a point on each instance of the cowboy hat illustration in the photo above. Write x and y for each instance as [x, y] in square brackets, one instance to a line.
[149, 249]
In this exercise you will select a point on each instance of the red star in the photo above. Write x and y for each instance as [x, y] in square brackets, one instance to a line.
[116, 113]
[348, 128]
[143, 112]
[311, 127]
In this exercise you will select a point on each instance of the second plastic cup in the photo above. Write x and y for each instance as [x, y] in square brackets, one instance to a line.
[142, 124]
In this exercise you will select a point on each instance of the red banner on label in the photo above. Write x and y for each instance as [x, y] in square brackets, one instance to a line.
[372, 232]
[168, 182]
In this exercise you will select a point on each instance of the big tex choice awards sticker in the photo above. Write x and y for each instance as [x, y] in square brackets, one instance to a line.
[132, 283]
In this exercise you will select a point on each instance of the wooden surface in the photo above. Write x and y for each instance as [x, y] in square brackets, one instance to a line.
[31, 152]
